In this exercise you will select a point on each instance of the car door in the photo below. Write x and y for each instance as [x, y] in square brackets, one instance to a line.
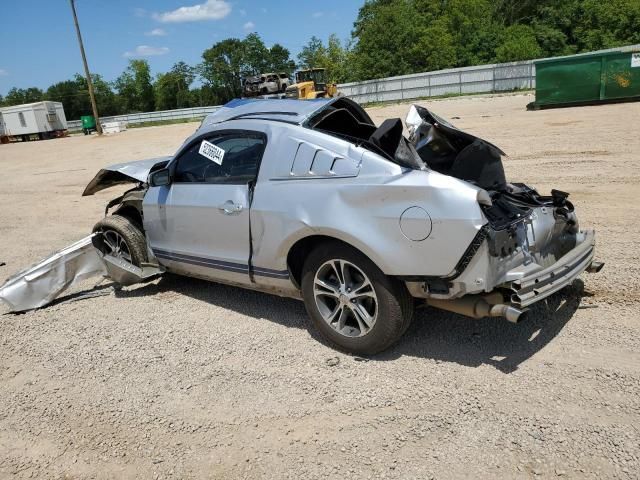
[198, 225]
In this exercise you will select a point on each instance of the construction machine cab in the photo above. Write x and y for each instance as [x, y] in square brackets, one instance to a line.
[316, 75]
[311, 83]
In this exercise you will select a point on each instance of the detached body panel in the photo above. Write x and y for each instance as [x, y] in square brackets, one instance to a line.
[44, 281]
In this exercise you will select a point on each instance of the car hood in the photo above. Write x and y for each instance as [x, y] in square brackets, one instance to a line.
[122, 173]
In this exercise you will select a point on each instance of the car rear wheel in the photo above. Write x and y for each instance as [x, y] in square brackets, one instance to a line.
[351, 302]
[122, 238]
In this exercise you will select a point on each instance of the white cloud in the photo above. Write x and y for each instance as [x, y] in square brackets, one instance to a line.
[156, 32]
[209, 10]
[146, 51]
[139, 12]
[3, 72]
[243, 12]
[318, 14]
[249, 26]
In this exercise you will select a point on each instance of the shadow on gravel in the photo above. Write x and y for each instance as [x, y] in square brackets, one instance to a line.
[285, 311]
[493, 341]
[434, 334]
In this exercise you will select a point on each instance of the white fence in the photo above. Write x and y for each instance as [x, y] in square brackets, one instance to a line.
[456, 81]
[197, 113]
[500, 77]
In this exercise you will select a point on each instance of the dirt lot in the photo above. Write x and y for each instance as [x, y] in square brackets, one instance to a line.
[180, 378]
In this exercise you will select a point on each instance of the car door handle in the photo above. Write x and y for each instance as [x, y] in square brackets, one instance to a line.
[230, 208]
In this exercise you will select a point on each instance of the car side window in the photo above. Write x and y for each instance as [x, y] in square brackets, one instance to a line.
[235, 161]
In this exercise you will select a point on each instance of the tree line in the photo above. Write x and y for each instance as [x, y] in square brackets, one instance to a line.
[389, 37]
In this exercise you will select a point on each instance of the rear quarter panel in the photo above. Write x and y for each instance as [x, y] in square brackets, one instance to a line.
[362, 207]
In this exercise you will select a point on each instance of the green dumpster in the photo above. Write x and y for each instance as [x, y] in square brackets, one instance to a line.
[587, 79]
[88, 123]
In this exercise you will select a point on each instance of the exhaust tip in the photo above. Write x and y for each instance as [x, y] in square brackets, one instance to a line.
[513, 315]
[595, 267]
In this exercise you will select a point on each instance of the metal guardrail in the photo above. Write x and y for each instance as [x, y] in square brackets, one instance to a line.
[196, 113]
[499, 77]
[455, 81]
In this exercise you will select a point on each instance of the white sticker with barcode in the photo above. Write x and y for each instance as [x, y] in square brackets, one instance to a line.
[212, 152]
[635, 60]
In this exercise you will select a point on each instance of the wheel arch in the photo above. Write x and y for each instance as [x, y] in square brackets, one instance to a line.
[130, 207]
[131, 212]
[299, 251]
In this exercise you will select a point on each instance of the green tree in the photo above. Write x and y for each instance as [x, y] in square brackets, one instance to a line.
[74, 96]
[18, 96]
[336, 60]
[172, 88]
[333, 57]
[228, 62]
[519, 43]
[255, 56]
[384, 35]
[435, 49]
[207, 95]
[223, 67]
[395, 37]
[280, 59]
[313, 54]
[134, 87]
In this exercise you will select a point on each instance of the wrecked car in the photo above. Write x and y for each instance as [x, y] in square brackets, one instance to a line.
[265, 84]
[312, 200]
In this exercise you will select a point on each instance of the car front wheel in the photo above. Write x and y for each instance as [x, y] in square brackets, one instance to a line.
[122, 238]
[351, 302]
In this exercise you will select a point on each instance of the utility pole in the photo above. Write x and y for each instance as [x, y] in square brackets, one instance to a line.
[94, 107]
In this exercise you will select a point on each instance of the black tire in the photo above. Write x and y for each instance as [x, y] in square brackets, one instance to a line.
[394, 304]
[129, 232]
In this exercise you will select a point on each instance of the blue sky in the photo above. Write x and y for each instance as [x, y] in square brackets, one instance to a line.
[38, 43]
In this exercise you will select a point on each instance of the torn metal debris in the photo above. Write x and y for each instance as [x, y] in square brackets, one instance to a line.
[46, 280]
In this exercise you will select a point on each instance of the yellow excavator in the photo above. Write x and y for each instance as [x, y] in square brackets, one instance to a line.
[311, 83]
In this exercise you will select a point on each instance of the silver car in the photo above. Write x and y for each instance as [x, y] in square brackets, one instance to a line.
[310, 199]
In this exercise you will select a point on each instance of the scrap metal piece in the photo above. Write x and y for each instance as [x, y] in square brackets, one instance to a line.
[125, 273]
[41, 283]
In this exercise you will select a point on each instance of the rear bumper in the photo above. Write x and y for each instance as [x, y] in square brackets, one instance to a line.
[539, 285]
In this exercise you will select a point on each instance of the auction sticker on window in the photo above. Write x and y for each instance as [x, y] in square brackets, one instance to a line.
[211, 151]
[635, 60]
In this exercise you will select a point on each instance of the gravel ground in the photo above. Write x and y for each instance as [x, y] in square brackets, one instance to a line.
[180, 378]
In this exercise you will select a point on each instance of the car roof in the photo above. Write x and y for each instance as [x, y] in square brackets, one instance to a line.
[282, 110]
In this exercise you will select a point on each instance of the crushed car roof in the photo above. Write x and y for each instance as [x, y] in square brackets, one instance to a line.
[283, 110]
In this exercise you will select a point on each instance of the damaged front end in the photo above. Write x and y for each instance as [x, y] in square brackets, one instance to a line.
[43, 282]
[531, 245]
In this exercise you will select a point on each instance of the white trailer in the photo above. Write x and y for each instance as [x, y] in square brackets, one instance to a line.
[41, 119]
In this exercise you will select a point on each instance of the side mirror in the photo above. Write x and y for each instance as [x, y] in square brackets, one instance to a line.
[160, 178]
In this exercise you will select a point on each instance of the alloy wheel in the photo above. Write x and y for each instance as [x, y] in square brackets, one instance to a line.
[116, 245]
[345, 298]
